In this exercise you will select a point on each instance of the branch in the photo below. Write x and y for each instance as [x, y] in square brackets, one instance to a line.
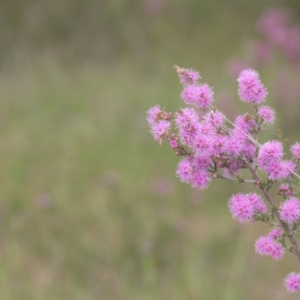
[284, 225]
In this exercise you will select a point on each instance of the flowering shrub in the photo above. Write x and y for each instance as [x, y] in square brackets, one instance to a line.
[211, 147]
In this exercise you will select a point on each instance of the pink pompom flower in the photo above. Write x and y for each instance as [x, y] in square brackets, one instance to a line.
[201, 161]
[280, 170]
[269, 153]
[233, 146]
[205, 98]
[188, 125]
[292, 282]
[243, 124]
[241, 207]
[153, 114]
[190, 94]
[251, 90]
[267, 246]
[295, 149]
[215, 118]
[202, 144]
[187, 76]
[198, 95]
[267, 114]
[185, 170]
[275, 233]
[201, 179]
[207, 128]
[289, 210]
[160, 130]
[257, 202]
[247, 78]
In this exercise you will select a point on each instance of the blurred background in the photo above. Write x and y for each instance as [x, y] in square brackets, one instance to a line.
[90, 207]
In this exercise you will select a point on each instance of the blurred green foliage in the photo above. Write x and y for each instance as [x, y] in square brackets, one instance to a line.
[102, 31]
[89, 205]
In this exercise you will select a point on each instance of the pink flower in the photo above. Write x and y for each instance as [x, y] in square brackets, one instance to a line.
[280, 170]
[218, 143]
[241, 207]
[258, 203]
[249, 150]
[248, 78]
[243, 124]
[198, 95]
[188, 125]
[295, 149]
[215, 118]
[284, 189]
[254, 95]
[292, 282]
[289, 210]
[160, 130]
[173, 141]
[267, 246]
[275, 233]
[186, 116]
[185, 170]
[190, 94]
[267, 114]
[201, 179]
[251, 90]
[202, 144]
[233, 146]
[205, 98]
[269, 153]
[207, 128]
[154, 114]
[201, 161]
[290, 165]
[188, 76]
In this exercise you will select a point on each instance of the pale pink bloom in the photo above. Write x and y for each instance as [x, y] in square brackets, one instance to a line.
[292, 282]
[267, 246]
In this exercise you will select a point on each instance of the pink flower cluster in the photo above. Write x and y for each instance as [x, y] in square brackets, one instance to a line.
[266, 114]
[292, 282]
[251, 90]
[159, 122]
[268, 246]
[213, 147]
[243, 207]
[289, 210]
[198, 95]
[270, 160]
[295, 149]
[211, 144]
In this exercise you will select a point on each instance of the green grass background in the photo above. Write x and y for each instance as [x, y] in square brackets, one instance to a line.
[89, 204]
